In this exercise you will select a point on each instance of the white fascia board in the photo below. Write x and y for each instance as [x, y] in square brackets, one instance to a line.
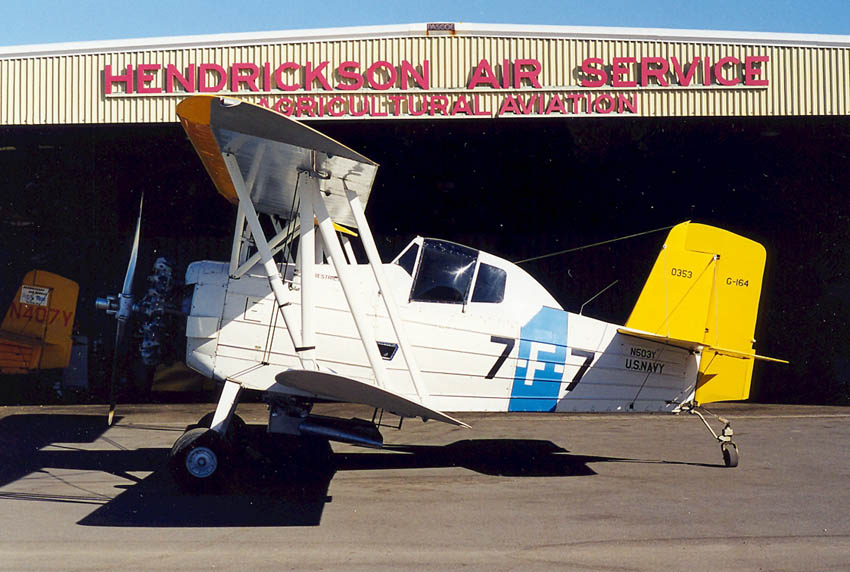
[418, 30]
[654, 34]
[212, 40]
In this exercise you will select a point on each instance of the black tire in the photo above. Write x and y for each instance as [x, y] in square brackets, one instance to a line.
[730, 454]
[199, 460]
[236, 430]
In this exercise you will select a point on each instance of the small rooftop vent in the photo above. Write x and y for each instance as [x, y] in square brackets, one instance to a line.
[441, 27]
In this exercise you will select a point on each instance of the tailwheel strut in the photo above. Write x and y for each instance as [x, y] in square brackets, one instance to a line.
[727, 446]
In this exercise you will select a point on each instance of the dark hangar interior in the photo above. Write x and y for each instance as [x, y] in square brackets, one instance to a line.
[517, 188]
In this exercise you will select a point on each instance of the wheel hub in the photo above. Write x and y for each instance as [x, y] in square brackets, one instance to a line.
[201, 462]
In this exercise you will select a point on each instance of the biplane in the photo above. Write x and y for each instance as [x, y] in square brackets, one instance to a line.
[36, 331]
[441, 329]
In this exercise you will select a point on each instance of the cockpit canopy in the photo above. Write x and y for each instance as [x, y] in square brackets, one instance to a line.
[449, 273]
[446, 271]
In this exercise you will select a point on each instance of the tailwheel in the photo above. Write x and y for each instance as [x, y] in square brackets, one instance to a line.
[199, 460]
[730, 453]
[727, 446]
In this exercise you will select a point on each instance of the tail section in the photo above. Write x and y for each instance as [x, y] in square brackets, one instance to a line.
[36, 332]
[704, 290]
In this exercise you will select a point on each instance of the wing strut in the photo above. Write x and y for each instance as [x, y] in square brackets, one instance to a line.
[334, 249]
[307, 258]
[239, 250]
[275, 280]
[312, 205]
[368, 242]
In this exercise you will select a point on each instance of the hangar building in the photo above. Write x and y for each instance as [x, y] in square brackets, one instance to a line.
[520, 140]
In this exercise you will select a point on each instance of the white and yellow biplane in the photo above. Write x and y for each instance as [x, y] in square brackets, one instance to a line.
[441, 328]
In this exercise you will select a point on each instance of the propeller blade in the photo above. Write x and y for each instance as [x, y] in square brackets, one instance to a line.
[119, 338]
[125, 301]
[134, 254]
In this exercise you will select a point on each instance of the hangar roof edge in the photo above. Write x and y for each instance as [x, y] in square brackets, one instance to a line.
[418, 30]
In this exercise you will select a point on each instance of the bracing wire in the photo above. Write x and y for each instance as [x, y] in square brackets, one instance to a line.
[586, 246]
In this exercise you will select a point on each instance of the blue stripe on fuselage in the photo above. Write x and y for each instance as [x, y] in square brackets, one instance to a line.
[540, 362]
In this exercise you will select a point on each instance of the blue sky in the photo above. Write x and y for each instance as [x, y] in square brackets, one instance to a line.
[45, 21]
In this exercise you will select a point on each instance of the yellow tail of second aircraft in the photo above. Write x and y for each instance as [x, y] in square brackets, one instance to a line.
[36, 332]
[703, 292]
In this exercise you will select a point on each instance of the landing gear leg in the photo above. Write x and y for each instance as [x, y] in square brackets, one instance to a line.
[727, 447]
[226, 406]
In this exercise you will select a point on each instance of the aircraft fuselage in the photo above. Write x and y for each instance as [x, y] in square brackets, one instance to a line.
[503, 345]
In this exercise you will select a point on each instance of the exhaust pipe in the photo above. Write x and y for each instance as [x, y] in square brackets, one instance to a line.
[354, 431]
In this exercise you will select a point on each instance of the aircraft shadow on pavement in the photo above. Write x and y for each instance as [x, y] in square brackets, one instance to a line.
[264, 489]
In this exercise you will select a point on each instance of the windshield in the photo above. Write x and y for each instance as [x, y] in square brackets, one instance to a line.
[445, 272]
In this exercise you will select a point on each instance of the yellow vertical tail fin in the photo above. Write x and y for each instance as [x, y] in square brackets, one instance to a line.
[705, 287]
[36, 331]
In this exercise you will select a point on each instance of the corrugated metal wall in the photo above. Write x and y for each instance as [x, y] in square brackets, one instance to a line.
[69, 89]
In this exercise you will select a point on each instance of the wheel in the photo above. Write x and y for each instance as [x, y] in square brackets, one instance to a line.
[199, 459]
[730, 454]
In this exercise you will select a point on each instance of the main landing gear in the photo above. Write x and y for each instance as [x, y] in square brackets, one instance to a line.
[295, 445]
[727, 447]
[201, 457]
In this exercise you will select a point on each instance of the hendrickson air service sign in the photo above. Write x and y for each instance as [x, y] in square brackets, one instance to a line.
[491, 89]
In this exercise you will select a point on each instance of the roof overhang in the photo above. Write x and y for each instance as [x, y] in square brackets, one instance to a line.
[424, 30]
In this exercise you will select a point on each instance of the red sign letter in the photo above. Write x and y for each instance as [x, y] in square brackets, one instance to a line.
[109, 79]
[483, 73]
[718, 71]
[172, 73]
[423, 80]
[370, 75]
[278, 76]
[251, 79]
[588, 69]
[531, 75]
[751, 72]
[658, 73]
[684, 79]
[617, 70]
[215, 68]
[344, 73]
[312, 74]
[142, 77]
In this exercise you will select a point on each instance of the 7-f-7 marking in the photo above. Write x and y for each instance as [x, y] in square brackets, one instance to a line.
[509, 346]
[588, 359]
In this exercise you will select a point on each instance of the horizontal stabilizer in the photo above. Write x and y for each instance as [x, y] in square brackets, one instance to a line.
[23, 340]
[694, 346]
[684, 344]
[353, 391]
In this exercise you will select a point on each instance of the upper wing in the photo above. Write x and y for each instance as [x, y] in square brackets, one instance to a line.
[273, 151]
[353, 391]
